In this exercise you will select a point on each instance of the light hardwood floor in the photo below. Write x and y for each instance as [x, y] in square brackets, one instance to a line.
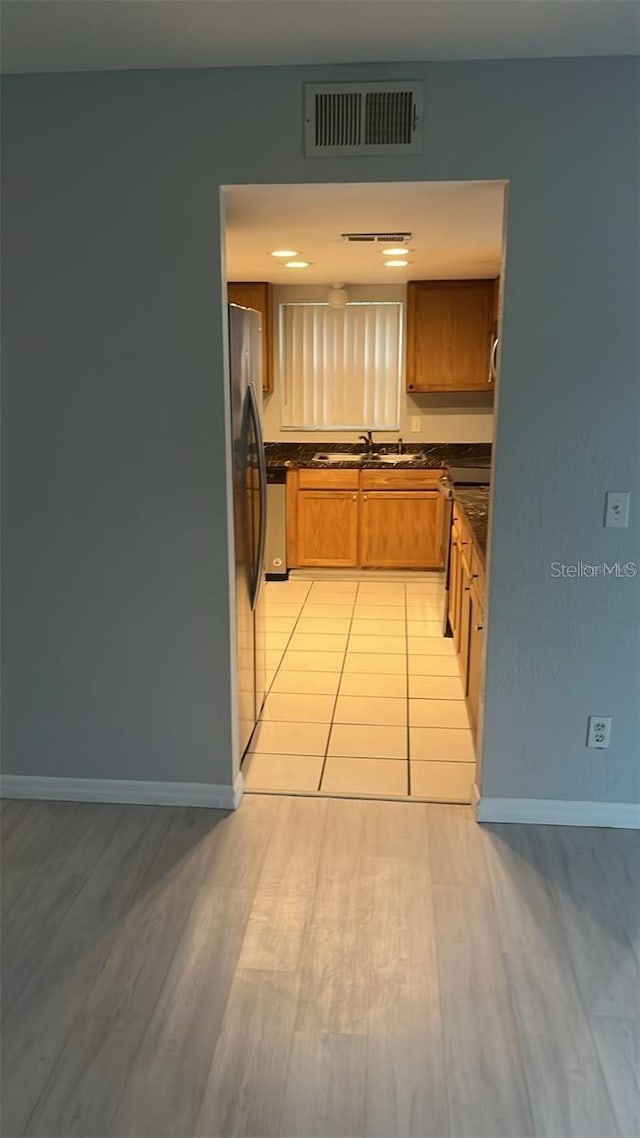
[317, 967]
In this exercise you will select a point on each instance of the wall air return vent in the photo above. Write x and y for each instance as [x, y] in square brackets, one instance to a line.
[362, 118]
[378, 238]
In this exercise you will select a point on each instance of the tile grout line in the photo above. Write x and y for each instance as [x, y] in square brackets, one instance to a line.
[267, 693]
[357, 598]
[297, 619]
[335, 704]
[286, 647]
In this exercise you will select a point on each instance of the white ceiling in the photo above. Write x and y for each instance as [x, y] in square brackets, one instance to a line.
[457, 230]
[98, 35]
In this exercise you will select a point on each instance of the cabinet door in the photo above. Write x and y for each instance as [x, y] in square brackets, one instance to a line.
[257, 295]
[495, 317]
[454, 583]
[327, 528]
[462, 581]
[464, 626]
[400, 529]
[449, 335]
[476, 635]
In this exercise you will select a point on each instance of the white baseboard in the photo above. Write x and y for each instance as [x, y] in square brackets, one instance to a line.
[238, 790]
[124, 790]
[556, 812]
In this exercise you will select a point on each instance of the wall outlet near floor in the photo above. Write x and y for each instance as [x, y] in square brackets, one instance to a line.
[616, 511]
[416, 424]
[598, 731]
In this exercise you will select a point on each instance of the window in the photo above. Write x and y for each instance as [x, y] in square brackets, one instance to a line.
[340, 368]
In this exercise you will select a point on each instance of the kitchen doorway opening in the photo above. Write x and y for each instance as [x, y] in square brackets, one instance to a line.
[371, 317]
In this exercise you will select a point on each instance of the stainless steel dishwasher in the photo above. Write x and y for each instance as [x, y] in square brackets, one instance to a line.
[275, 557]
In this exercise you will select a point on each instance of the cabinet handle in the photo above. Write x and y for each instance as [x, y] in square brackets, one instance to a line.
[464, 543]
[492, 364]
[479, 627]
[474, 575]
[355, 498]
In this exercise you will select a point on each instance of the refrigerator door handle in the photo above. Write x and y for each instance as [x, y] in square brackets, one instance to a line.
[262, 474]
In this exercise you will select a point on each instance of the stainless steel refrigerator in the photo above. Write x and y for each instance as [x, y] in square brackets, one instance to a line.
[249, 515]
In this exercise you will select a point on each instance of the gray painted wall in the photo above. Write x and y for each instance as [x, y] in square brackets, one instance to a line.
[117, 623]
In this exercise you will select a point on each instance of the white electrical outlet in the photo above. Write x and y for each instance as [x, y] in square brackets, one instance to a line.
[617, 508]
[599, 731]
[416, 424]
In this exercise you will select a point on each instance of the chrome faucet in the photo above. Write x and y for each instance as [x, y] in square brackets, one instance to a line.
[368, 442]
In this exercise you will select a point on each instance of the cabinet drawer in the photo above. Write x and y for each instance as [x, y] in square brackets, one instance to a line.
[477, 572]
[328, 479]
[474, 664]
[399, 479]
[464, 627]
[464, 538]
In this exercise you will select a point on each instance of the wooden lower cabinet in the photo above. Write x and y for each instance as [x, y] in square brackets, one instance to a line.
[454, 585]
[466, 612]
[400, 529]
[460, 581]
[474, 668]
[465, 619]
[347, 519]
[327, 528]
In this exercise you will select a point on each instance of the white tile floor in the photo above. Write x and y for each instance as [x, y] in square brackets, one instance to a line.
[364, 693]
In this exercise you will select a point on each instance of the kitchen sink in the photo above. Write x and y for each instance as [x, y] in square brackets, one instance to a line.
[342, 456]
[394, 459]
[358, 457]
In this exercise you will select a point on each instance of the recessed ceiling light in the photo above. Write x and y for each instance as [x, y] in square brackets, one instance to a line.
[296, 264]
[394, 252]
[285, 253]
[395, 264]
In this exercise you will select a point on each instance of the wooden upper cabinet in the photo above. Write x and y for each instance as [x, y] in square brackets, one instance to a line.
[450, 332]
[257, 295]
[495, 315]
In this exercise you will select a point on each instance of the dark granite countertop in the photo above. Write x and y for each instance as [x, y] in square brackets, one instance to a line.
[283, 455]
[474, 502]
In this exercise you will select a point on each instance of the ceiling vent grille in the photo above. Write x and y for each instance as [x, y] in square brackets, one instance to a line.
[363, 118]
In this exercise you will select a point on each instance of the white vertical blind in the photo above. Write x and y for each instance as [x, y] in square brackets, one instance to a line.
[341, 367]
